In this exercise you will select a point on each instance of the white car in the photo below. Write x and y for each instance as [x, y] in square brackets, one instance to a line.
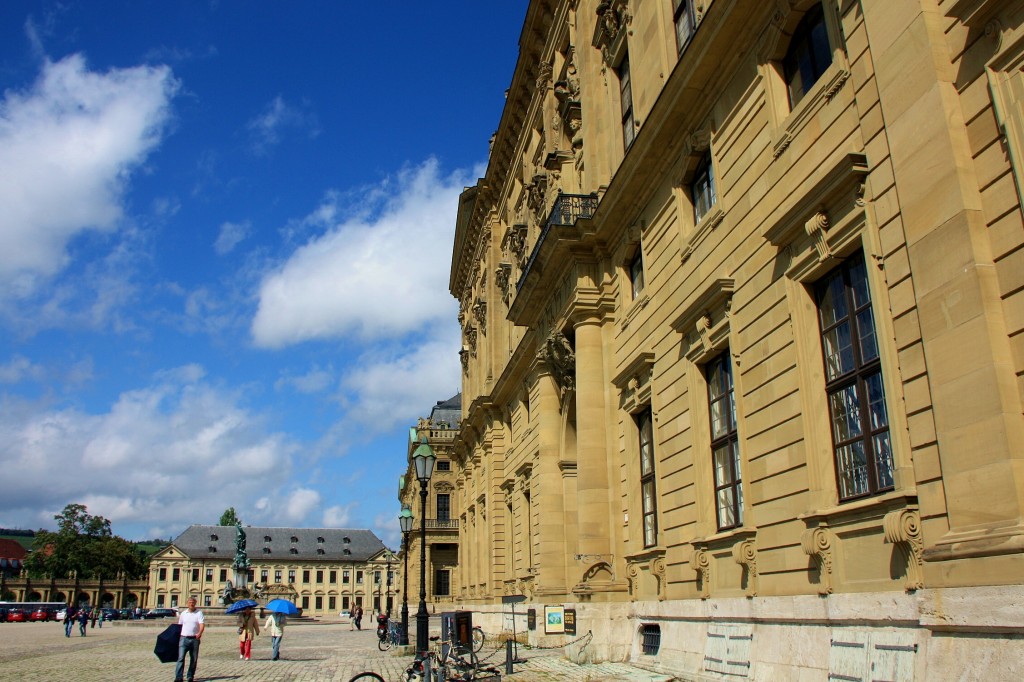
[345, 614]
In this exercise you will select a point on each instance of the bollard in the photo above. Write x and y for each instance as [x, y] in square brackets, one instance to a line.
[508, 656]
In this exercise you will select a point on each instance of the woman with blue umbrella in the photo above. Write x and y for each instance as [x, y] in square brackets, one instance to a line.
[248, 626]
[279, 609]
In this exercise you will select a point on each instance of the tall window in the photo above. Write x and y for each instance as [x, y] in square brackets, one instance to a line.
[702, 188]
[344, 577]
[359, 577]
[626, 100]
[376, 577]
[808, 56]
[853, 375]
[319, 576]
[176, 574]
[305, 576]
[263, 575]
[684, 22]
[223, 575]
[195, 574]
[163, 573]
[443, 507]
[725, 450]
[636, 273]
[648, 498]
[442, 582]
[291, 576]
[277, 576]
[209, 575]
[333, 578]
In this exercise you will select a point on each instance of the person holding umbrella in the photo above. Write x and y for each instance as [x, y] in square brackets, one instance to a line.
[193, 623]
[275, 626]
[248, 628]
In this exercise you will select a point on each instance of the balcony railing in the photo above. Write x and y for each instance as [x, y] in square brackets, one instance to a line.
[442, 524]
[567, 209]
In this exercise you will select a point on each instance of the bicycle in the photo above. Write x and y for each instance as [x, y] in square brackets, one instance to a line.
[392, 637]
[478, 639]
[445, 660]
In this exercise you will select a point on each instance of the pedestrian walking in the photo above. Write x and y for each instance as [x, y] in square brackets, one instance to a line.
[69, 620]
[83, 620]
[357, 616]
[248, 630]
[193, 623]
[275, 626]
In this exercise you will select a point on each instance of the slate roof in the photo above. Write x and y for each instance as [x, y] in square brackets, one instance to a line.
[218, 542]
[449, 411]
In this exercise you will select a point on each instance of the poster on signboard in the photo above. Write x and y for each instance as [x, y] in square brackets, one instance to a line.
[554, 620]
[570, 621]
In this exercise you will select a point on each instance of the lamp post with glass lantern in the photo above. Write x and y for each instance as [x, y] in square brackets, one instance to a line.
[405, 522]
[423, 458]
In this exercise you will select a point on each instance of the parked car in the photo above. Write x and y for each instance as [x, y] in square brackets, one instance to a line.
[16, 616]
[111, 614]
[160, 613]
[42, 615]
[126, 614]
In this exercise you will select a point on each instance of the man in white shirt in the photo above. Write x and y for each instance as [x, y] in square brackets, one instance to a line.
[192, 624]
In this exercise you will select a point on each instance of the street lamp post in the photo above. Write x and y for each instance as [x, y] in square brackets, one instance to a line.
[387, 591]
[405, 521]
[423, 457]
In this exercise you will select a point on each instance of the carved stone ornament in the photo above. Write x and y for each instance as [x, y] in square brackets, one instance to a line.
[471, 340]
[903, 529]
[464, 359]
[660, 571]
[537, 200]
[514, 243]
[480, 313]
[817, 543]
[815, 229]
[561, 358]
[702, 565]
[745, 554]
[502, 276]
[544, 72]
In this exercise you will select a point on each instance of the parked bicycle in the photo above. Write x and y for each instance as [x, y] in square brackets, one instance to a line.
[390, 637]
[478, 640]
[445, 661]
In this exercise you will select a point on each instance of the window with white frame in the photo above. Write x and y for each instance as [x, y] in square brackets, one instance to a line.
[626, 102]
[853, 375]
[684, 20]
[636, 273]
[808, 56]
[702, 187]
[648, 492]
[725, 447]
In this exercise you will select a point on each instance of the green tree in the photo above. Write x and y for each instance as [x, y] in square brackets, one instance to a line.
[83, 543]
[229, 517]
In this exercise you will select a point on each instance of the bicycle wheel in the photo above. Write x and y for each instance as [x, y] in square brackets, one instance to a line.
[478, 639]
[384, 644]
[367, 677]
[462, 664]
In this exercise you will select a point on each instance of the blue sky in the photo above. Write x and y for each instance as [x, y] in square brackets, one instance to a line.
[226, 230]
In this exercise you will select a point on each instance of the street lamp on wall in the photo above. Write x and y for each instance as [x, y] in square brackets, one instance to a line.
[405, 522]
[423, 457]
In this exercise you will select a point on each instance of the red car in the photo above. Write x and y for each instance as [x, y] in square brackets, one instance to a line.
[16, 616]
[42, 615]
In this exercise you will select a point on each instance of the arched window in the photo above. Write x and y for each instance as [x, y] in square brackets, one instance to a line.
[808, 56]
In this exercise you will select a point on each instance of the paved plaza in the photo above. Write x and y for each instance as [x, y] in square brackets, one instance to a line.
[314, 652]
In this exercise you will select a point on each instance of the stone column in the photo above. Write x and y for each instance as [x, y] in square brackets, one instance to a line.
[547, 493]
[975, 422]
[592, 456]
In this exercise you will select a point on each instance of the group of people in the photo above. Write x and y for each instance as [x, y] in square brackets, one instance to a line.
[82, 617]
[193, 624]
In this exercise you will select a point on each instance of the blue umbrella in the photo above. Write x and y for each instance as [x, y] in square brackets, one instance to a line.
[282, 606]
[241, 605]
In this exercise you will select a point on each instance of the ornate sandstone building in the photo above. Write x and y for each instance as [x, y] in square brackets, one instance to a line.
[742, 300]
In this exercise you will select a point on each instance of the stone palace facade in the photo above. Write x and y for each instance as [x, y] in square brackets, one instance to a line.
[742, 308]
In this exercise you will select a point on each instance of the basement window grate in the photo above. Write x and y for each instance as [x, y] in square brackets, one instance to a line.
[650, 641]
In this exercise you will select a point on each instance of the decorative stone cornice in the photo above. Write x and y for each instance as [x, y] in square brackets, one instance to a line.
[745, 554]
[560, 357]
[701, 563]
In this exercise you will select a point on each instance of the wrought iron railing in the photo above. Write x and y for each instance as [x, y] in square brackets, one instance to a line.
[442, 524]
[567, 209]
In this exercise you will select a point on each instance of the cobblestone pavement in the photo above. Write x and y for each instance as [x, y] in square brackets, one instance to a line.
[315, 652]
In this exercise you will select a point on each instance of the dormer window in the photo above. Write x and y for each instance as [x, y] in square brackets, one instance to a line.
[346, 540]
[347, 552]
[212, 548]
[266, 550]
[319, 541]
[266, 538]
[294, 539]
[320, 550]
[294, 551]
[213, 537]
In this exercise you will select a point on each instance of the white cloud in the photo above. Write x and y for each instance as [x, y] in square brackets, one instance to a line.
[316, 380]
[299, 504]
[338, 516]
[67, 149]
[265, 129]
[20, 369]
[231, 234]
[164, 456]
[372, 277]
